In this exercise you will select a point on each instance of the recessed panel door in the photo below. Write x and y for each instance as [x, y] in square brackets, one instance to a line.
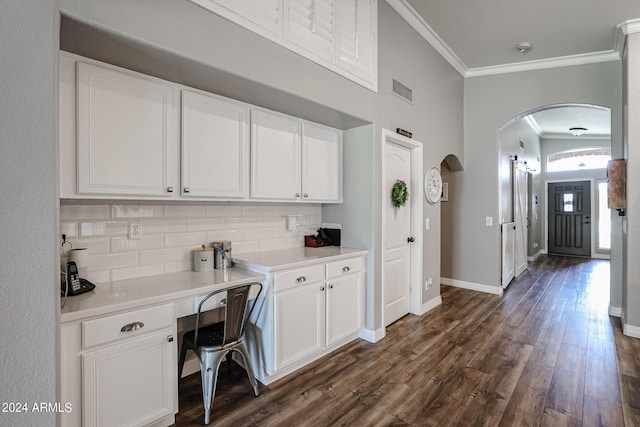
[570, 218]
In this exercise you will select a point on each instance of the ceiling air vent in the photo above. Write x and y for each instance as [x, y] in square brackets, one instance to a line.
[402, 91]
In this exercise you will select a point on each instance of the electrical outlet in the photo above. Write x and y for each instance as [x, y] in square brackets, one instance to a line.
[489, 221]
[428, 283]
[134, 231]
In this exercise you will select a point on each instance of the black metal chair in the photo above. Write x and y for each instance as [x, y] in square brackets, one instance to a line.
[213, 342]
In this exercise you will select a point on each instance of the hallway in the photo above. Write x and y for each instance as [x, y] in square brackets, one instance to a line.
[546, 353]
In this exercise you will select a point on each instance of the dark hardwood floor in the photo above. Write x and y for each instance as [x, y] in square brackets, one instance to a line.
[546, 353]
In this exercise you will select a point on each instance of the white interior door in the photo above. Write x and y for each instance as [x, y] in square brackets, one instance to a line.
[520, 213]
[508, 252]
[397, 231]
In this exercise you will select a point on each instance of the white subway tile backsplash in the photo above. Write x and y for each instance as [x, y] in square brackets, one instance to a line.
[206, 224]
[113, 261]
[185, 211]
[132, 272]
[103, 228]
[163, 256]
[192, 240]
[147, 241]
[137, 211]
[169, 233]
[68, 212]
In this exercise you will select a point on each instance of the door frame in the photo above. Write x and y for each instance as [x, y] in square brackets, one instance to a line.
[546, 211]
[416, 192]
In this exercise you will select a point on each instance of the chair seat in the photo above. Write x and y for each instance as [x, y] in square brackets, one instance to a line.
[211, 336]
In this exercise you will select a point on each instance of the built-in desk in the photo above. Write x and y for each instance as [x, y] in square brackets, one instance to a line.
[112, 376]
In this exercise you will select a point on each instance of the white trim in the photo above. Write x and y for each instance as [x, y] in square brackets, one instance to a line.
[430, 305]
[629, 27]
[541, 64]
[536, 256]
[413, 18]
[389, 136]
[615, 311]
[600, 256]
[488, 289]
[372, 336]
[630, 330]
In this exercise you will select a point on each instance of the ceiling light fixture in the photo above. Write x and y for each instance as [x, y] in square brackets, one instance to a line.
[523, 47]
[577, 131]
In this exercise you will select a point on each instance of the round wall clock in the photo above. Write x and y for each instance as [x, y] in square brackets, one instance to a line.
[433, 185]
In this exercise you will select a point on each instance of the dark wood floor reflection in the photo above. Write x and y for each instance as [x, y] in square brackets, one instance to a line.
[546, 353]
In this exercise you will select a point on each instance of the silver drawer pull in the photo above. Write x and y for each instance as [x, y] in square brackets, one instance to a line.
[301, 279]
[223, 302]
[132, 327]
[346, 269]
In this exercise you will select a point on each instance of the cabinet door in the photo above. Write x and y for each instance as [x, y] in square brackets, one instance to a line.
[275, 156]
[310, 24]
[345, 306]
[130, 384]
[299, 318]
[356, 39]
[321, 163]
[215, 147]
[127, 133]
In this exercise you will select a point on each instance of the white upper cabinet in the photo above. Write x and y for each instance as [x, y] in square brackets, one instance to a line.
[340, 35]
[296, 160]
[321, 163]
[356, 47]
[310, 24]
[127, 133]
[215, 147]
[275, 156]
[265, 14]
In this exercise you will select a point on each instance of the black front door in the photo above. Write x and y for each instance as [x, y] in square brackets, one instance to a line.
[570, 218]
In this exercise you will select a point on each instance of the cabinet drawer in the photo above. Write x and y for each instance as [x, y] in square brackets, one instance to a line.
[346, 266]
[106, 329]
[292, 278]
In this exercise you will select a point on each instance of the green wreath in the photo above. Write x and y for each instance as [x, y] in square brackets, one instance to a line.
[399, 194]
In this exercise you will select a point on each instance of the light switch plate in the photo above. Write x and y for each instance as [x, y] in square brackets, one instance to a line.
[489, 221]
[427, 224]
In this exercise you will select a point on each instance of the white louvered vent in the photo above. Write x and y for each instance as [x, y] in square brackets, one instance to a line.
[402, 91]
[355, 36]
[311, 25]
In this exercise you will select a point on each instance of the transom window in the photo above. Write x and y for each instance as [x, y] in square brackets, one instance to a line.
[578, 159]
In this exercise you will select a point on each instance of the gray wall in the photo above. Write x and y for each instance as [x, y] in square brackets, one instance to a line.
[490, 102]
[178, 40]
[28, 208]
[631, 289]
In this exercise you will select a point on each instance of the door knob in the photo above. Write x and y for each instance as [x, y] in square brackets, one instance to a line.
[410, 239]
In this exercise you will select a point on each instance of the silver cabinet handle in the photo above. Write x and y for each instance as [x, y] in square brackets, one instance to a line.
[223, 302]
[186, 189]
[297, 195]
[131, 326]
[301, 279]
[306, 195]
[322, 288]
[345, 269]
[170, 338]
[169, 189]
[330, 286]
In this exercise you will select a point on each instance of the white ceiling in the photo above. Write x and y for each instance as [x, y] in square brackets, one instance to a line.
[480, 37]
[485, 33]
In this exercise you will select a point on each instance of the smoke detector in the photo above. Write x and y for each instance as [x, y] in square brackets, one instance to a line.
[523, 47]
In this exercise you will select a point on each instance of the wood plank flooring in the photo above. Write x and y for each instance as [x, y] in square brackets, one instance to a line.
[546, 353]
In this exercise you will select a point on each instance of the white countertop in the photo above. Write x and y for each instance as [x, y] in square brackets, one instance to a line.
[283, 259]
[129, 294]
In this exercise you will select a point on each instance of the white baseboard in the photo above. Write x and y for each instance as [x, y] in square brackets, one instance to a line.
[430, 305]
[615, 311]
[536, 256]
[372, 336]
[600, 256]
[629, 330]
[496, 290]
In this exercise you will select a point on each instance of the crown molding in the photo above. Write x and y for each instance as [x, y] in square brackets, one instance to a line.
[564, 61]
[413, 18]
[533, 123]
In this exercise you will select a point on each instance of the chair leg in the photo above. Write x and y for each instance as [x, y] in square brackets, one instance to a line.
[209, 367]
[242, 349]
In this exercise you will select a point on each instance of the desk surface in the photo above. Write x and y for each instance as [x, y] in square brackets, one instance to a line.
[130, 294]
[269, 261]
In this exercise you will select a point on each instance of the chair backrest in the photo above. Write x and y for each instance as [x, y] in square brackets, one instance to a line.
[235, 311]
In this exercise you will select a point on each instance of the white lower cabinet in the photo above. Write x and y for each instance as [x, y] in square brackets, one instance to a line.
[311, 317]
[121, 369]
[130, 384]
